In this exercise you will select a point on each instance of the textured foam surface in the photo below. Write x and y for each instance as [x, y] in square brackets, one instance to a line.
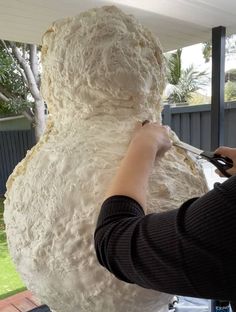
[102, 71]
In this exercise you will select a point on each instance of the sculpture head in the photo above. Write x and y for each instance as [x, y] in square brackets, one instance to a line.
[99, 61]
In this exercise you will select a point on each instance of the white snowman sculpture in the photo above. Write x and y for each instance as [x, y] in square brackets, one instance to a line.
[102, 72]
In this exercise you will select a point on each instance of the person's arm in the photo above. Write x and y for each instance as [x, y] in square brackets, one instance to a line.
[189, 251]
[131, 179]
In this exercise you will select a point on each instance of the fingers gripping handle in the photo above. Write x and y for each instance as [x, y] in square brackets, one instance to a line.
[220, 162]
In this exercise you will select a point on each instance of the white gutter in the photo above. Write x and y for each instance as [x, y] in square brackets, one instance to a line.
[12, 118]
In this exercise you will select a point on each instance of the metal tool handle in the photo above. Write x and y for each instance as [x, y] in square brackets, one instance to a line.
[220, 162]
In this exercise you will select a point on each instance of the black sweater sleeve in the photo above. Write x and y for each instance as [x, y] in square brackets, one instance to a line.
[190, 251]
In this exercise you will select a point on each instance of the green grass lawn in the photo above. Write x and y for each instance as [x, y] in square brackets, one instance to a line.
[10, 282]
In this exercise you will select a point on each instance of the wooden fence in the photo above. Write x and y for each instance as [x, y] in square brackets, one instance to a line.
[13, 147]
[191, 123]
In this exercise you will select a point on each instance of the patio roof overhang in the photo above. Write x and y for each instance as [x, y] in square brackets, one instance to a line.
[177, 23]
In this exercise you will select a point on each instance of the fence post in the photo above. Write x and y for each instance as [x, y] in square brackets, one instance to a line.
[218, 81]
[167, 115]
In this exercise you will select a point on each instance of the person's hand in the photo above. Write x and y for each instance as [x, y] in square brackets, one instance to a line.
[152, 135]
[230, 153]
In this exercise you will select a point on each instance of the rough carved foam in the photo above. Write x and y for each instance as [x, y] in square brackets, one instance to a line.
[102, 71]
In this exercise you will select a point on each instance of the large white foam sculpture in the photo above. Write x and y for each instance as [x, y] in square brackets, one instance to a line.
[102, 71]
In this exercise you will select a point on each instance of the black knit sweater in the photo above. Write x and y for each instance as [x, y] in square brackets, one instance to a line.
[189, 251]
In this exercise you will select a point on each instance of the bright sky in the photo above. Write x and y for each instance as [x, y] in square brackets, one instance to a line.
[193, 55]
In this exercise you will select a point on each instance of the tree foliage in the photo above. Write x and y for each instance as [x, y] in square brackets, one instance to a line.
[10, 78]
[4, 111]
[13, 99]
[230, 48]
[198, 98]
[207, 51]
[20, 83]
[230, 91]
[230, 75]
[182, 82]
[174, 67]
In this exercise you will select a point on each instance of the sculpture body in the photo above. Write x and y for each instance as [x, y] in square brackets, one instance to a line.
[102, 71]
